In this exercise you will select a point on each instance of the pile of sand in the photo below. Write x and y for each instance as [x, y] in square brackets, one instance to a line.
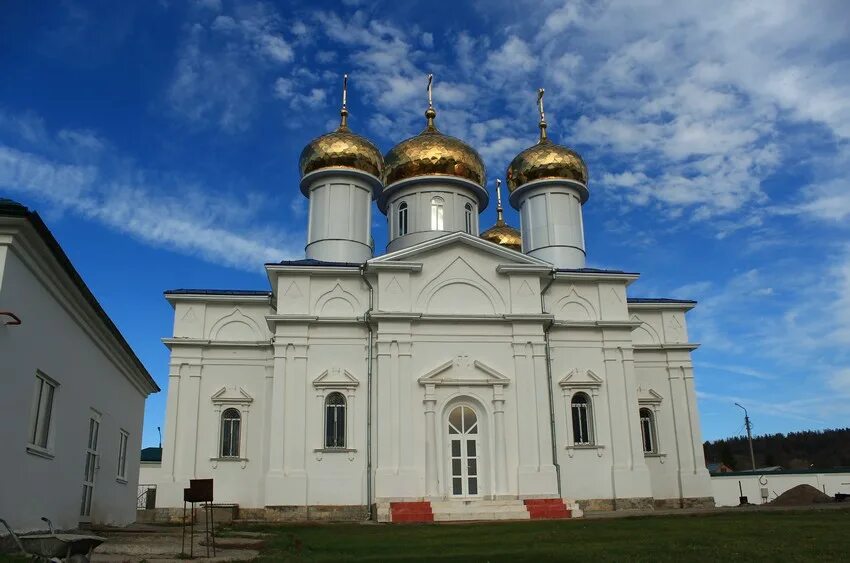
[801, 495]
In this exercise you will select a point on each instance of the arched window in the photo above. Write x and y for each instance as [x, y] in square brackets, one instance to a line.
[402, 219]
[647, 430]
[437, 205]
[582, 419]
[468, 217]
[231, 424]
[335, 421]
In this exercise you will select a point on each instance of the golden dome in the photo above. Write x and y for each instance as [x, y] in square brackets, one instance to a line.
[501, 233]
[504, 235]
[545, 160]
[433, 153]
[341, 148]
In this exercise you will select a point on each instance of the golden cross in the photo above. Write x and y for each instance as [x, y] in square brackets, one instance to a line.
[430, 82]
[344, 89]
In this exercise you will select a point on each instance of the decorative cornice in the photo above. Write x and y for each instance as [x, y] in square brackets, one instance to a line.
[208, 298]
[539, 269]
[688, 346]
[675, 306]
[600, 276]
[407, 266]
[205, 342]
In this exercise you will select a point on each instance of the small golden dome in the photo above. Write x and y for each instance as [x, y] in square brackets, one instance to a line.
[501, 233]
[504, 235]
[433, 153]
[341, 148]
[545, 160]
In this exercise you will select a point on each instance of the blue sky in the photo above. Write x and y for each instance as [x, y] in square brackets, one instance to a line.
[160, 143]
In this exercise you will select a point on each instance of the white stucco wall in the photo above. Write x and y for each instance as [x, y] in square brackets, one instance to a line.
[726, 490]
[62, 339]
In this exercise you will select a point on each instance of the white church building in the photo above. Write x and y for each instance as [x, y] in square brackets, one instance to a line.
[457, 376]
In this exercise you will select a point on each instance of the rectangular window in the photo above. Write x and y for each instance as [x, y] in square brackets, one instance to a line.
[122, 455]
[45, 389]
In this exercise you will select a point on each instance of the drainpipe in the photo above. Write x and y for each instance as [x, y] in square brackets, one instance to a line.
[366, 319]
[549, 381]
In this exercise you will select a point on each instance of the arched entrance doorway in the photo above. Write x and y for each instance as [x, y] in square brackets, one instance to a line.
[464, 452]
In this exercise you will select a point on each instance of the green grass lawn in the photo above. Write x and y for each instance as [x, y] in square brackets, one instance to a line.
[816, 535]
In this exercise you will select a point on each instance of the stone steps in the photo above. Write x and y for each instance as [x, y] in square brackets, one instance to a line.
[547, 509]
[477, 510]
[471, 510]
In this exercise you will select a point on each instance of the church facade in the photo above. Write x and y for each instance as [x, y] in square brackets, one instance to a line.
[456, 370]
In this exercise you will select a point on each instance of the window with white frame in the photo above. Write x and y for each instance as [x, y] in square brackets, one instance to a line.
[582, 419]
[231, 426]
[467, 212]
[402, 219]
[335, 420]
[647, 430]
[45, 391]
[122, 454]
[437, 209]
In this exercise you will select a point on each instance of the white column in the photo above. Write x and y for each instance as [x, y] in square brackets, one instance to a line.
[276, 404]
[431, 468]
[499, 455]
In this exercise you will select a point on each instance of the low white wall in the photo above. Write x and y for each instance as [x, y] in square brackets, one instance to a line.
[726, 490]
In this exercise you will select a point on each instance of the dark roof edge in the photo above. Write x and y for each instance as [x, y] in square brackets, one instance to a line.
[782, 472]
[14, 209]
[235, 292]
[595, 271]
[660, 300]
[311, 263]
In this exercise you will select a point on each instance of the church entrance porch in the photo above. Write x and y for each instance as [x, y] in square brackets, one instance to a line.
[464, 452]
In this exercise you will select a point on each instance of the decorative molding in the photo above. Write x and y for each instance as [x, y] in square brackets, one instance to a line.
[648, 329]
[338, 293]
[580, 379]
[649, 397]
[460, 272]
[458, 237]
[574, 298]
[336, 378]
[235, 317]
[232, 396]
[462, 371]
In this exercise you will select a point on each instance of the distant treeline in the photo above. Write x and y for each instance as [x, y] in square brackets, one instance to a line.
[817, 449]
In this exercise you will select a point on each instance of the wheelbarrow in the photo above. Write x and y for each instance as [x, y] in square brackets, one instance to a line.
[70, 548]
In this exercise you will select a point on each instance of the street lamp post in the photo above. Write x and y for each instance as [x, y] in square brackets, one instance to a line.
[749, 436]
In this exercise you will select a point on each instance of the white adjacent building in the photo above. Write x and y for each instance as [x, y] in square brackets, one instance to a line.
[455, 367]
[72, 392]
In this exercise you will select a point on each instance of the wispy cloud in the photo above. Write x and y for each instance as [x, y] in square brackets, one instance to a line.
[174, 215]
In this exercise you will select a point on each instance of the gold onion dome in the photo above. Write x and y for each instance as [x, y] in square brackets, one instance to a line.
[341, 149]
[501, 233]
[545, 160]
[433, 153]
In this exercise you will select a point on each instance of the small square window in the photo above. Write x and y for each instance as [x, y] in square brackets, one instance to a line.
[45, 391]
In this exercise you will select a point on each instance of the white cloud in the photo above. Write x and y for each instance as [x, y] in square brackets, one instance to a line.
[180, 217]
[221, 66]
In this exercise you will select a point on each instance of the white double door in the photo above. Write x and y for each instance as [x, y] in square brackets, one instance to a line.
[464, 453]
[90, 469]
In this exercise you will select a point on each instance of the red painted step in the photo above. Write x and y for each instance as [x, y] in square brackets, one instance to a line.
[547, 508]
[419, 511]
